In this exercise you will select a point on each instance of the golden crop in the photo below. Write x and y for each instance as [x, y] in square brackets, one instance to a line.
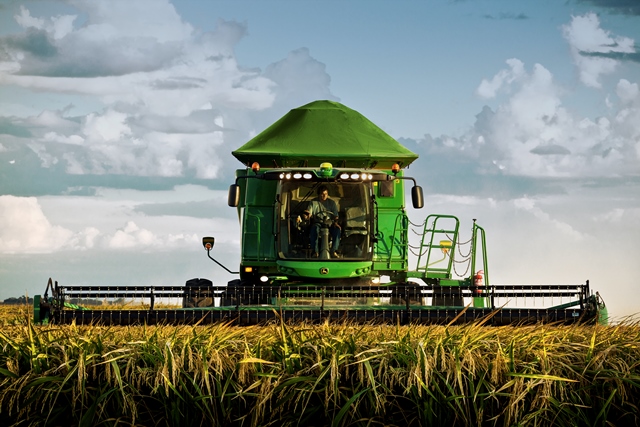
[328, 374]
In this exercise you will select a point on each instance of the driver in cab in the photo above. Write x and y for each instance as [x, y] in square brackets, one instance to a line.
[323, 211]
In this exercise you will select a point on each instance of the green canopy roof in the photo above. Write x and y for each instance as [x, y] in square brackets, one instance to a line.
[324, 131]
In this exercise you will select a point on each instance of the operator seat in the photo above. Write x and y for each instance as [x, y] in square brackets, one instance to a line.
[354, 232]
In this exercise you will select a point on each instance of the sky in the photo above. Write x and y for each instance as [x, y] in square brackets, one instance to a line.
[118, 118]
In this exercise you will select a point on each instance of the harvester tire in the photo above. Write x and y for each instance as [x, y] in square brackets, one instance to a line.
[198, 293]
[249, 294]
[229, 296]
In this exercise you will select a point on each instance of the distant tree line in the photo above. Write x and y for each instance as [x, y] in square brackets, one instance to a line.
[20, 300]
[28, 300]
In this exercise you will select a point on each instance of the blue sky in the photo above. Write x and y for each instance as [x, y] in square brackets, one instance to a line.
[117, 120]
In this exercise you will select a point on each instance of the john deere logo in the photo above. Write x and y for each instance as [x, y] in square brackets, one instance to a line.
[324, 270]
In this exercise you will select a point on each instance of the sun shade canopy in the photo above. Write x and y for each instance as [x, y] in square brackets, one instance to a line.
[324, 131]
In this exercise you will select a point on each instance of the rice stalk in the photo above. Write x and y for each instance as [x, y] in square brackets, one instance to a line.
[327, 374]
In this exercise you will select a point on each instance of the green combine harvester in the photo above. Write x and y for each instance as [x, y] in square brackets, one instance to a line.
[325, 236]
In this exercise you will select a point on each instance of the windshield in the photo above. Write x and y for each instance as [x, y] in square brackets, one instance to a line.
[324, 220]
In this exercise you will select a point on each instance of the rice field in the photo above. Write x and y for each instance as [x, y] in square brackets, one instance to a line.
[317, 375]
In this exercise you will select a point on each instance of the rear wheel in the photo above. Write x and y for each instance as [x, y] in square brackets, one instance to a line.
[198, 293]
[244, 292]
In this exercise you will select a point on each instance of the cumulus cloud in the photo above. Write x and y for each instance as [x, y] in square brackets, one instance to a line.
[594, 49]
[628, 93]
[172, 95]
[508, 16]
[626, 7]
[157, 77]
[529, 132]
[26, 229]
[141, 41]
[57, 26]
[299, 78]
[132, 236]
[489, 88]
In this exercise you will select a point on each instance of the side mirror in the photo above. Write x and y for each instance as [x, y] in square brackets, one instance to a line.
[417, 197]
[208, 242]
[234, 195]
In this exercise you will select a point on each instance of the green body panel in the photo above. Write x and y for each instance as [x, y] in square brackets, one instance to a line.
[479, 302]
[256, 209]
[603, 314]
[390, 253]
[37, 317]
[324, 131]
[450, 282]
[257, 238]
[325, 269]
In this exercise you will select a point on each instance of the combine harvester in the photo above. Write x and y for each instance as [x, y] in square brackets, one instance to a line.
[303, 258]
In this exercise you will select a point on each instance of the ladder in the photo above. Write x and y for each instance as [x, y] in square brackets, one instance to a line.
[399, 242]
[440, 232]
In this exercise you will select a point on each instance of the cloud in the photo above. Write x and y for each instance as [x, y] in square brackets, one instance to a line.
[140, 41]
[530, 133]
[528, 124]
[625, 7]
[57, 26]
[300, 78]
[9, 127]
[594, 49]
[508, 16]
[25, 228]
[131, 236]
[489, 88]
[172, 95]
[628, 93]
[550, 149]
[107, 127]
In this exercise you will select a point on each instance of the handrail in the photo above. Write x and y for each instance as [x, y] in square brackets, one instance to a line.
[430, 227]
[403, 245]
[485, 265]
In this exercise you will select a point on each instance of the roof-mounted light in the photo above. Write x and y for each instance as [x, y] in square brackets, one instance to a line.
[344, 176]
[255, 167]
[395, 168]
[297, 175]
[355, 176]
[281, 176]
[288, 176]
[307, 176]
[326, 169]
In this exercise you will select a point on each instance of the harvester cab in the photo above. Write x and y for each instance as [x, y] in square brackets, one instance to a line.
[319, 225]
[325, 236]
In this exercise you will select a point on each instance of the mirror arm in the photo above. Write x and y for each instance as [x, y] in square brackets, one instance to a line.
[209, 255]
[392, 177]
